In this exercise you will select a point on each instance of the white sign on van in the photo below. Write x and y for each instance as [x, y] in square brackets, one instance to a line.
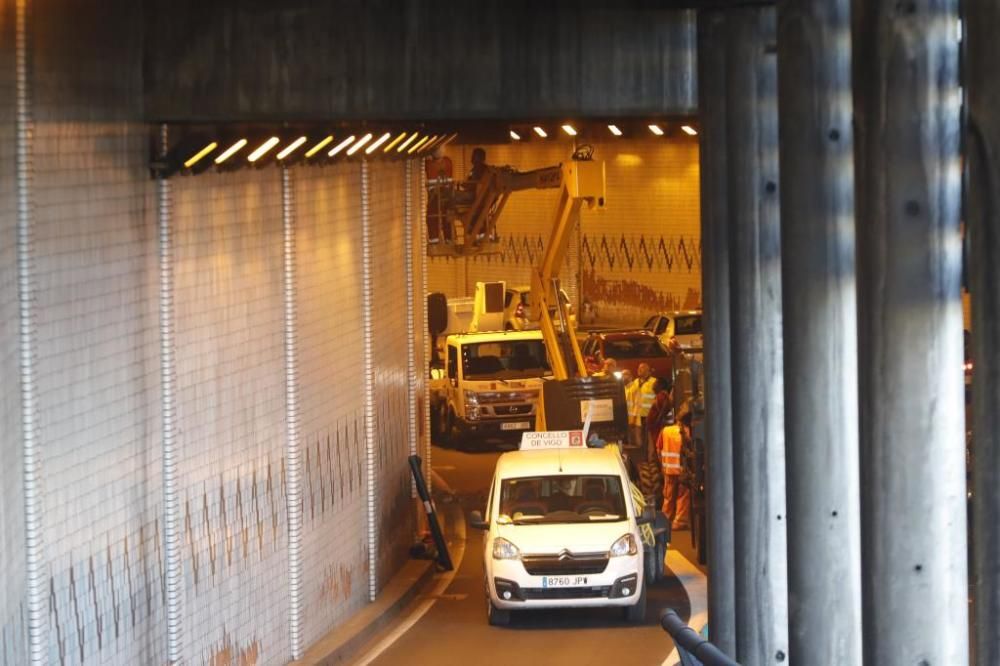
[555, 439]
[599, 410]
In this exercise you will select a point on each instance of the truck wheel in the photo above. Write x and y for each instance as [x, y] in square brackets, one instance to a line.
[637, 614]
[444, 425]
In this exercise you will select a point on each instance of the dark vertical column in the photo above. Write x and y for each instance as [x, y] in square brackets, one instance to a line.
[818, 294]
[755, 301]
[907, 105]
[715, 302]
[983, 85]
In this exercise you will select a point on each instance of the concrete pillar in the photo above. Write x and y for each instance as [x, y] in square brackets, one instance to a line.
[715, 321]
[907, 106]
[755, 302]
[982, 23]
[818, 293]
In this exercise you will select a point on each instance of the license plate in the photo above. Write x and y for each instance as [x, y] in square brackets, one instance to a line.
[564, 581]
[515, 425]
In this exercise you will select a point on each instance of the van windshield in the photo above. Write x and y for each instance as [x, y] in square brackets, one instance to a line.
[505, 359]
[687, 325]
[565, 498]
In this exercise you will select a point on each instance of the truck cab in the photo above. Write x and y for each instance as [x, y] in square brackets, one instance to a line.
[489, 385]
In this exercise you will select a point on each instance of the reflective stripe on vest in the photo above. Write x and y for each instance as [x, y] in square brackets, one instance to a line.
[648, 396]
[671, 462]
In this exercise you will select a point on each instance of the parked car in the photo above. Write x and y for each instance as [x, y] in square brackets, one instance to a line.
[517, 309]
[629, 349]
[685, 325]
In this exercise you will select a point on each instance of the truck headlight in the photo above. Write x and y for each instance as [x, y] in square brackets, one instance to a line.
[625, 545]
[505, 550]
[471, 406]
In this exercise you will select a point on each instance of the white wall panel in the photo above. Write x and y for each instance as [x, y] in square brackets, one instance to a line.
[330, 366]
[12, 551]
[231, 415]
[395, 523]
[97, 387]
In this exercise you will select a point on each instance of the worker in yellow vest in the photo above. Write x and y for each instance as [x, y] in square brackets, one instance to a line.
[676, 494]
[645, 396]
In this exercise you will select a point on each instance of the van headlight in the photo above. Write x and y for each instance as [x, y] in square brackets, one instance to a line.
[471, 406]
[625, 545]
[505, 550]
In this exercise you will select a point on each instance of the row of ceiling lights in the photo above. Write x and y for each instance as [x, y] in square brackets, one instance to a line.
[291, 149]
[615, 130]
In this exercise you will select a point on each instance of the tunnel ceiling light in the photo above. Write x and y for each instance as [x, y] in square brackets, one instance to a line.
[569, 129]
[403, 146]
[690, 131]
[340, 146]
[614, 130]
[360, 144]
[291, 148]
[230, 151]
[427, 146]
[378, 142]
[194, 159]
[451, 138]
[263, 149]
[417, 145]
[392, 144]
[319, 146]
[540, 132]
[515, 136]
[656, 129]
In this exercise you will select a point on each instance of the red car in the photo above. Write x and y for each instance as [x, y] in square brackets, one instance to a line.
[629, 349]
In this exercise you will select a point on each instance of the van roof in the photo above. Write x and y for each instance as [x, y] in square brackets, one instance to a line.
[463, 338]
[550, 462]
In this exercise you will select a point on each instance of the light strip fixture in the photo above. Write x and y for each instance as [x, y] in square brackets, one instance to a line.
[378, 142]
[540, 132]
[263, 149]
[230, 151]
[614, 130]
[656, 129]
[361, 142]
[434, 140]
[194, 159]
[690, 131]
[319, 146]
[515, 136]
[392, 144]
[403, 146]
[569, 129]
[340, 146]
[291, 148]
[417, 145]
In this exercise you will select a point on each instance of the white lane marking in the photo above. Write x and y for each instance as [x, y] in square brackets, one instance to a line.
[696, 587]
[437, 593]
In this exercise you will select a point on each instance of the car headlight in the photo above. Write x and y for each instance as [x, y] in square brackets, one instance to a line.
[625, 545]
[471, 406]
[505, 550]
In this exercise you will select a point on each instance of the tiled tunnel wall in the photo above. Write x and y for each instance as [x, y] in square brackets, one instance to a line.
[97, 337]
[642, 253]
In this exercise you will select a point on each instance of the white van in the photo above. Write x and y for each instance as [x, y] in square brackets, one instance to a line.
[562, 531]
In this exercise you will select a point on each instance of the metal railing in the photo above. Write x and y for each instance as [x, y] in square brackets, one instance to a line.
[692, 648]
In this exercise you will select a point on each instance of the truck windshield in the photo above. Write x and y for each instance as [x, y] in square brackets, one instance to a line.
[565, 498]
[505, 359]
[687, 325]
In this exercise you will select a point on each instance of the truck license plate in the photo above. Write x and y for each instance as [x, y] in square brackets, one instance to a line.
[515, 425]
[564, 581]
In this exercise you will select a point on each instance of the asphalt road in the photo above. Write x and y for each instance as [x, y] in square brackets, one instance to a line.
[454, 630]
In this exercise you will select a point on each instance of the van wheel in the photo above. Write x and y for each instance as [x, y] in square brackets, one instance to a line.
[637, 614]
[497, 617]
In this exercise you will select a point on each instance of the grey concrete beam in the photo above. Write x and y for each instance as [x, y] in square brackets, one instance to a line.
[818, 292]
[755, 299]
[716, 323]
[982, 22]
[907, 106]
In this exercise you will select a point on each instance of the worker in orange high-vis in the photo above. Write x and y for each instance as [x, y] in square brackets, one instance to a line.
[676, 494]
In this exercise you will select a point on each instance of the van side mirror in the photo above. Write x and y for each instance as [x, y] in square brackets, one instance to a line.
[648, 517]
[476, 521]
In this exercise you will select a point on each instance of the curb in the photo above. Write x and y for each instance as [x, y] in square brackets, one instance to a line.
[341, 645]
